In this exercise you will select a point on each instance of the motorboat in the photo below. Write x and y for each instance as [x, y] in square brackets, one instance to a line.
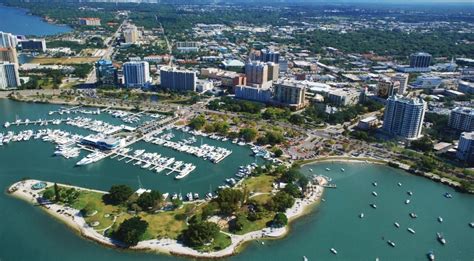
[440, 238]
[399, 184]
[374, 184]
[373, 205]
[342, 169]
[374, 193]
[410, 193]
[334, 251]
[396, 224]
[413, 215]
[440, 219]
[411, 230]
[361, 215]
[431, 256]
[328, 169]
[407, 201]
[391, 243]
[448, 195]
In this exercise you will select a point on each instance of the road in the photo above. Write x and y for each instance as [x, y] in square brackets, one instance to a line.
[110, 41]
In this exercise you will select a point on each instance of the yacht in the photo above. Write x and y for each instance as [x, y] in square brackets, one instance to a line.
[413, 215]
[391, 243]
[407, 201]
[441, 239]
[91, 158]
[334, 251]
[409, 193]
[305, 258]
[374, 184]
[361, 215]
[411, 230]
[374, 193]
[440, 219]
[471, 224]
[189, 196]
[311, 170]
[399, 184]
[7, 124]
[431, 256]
[328, 169]
[396, 224]
[373, 205]
[342, 169]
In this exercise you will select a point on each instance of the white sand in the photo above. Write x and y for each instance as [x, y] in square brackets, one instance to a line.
[74, 219]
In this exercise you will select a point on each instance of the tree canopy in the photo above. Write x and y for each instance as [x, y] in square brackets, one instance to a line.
[131, 230]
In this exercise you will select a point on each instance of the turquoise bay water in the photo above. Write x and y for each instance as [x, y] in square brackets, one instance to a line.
[26, 233]
[17, 21]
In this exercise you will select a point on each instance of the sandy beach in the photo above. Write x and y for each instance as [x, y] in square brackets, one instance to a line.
[73, 219]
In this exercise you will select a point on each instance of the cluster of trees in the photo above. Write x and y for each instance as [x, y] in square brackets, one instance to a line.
[424, 144]
[60, 194]
[199, 232]
[124, 195]
[131, 231]
[271, 137]
[94, 42]
[233, 105]
[316, 113]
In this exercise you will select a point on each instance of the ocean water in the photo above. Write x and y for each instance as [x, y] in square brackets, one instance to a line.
[27, 233]
[17, 21]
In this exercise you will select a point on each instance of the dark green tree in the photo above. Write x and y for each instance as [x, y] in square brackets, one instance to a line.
[199, 233]
[131, 230]
[118, 194]
[280, 220]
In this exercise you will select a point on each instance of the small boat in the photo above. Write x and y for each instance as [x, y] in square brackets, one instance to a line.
[334, 251]
[373, 205]
[399, 184]
[391, 243]
[441, 239]
[410, 193]
[311, 170]
[411, 230]
[471, 224]
[448, 195]
[374, 193]
[361, 215]
[374, 183]
[342, 169]
[407, 201]
[440, 219]
[396, 224]
[305, 258]
[328, 169]
[413, 215]
[431, 256]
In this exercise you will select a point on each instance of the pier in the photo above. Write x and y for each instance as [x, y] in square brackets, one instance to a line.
[36, 122]
[65, 110]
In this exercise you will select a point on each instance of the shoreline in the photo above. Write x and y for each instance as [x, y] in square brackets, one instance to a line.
[73, 219]
[394, 164]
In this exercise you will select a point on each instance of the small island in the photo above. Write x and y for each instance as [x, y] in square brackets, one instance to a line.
[259, 207]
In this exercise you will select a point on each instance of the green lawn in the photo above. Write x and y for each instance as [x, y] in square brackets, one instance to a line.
[220, 242]
[260, 184]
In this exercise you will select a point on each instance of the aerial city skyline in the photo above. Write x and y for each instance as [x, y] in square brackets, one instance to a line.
[240, 130]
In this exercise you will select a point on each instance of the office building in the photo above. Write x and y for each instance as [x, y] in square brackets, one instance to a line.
[283, 64]
[269, 56]
[466, 87]
[136, 74]
[256, 72]
[187, 46]
[420, 60]
[404, 117]
[253, 93]
[7, 40]
[106, 73]
[273, 71]
[8, 54]
[343, 97]
[227, 78]
[9, 77]
[33, 45]
[466, 147]
[386, 88]
[89, 21]
[368, 123]
[130, 34]
[178, 80]
[462, 119]
[402, 79]
[290, 94]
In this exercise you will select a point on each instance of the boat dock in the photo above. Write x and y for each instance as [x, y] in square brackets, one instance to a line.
[35, 122]
[65, 110]
[330, 186]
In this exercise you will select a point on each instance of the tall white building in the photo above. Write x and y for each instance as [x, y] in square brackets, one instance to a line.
[462, 118]
[256, 72]
[131, 34]
[136, 74]
[402, 78]
[404, 116]
[7, 40]
[466, 147]
[9, 77]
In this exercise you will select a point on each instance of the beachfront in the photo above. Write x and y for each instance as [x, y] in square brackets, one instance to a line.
[74, 219]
